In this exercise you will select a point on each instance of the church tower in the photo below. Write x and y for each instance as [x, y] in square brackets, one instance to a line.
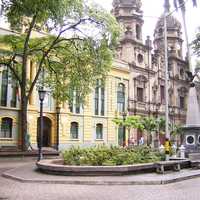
[174, 34]
[177, 66]
[130, 17]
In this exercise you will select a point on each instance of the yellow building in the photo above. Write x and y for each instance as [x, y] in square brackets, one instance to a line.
[82, 125]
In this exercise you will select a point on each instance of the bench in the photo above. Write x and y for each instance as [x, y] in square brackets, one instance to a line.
[195, 164]
[194, 160]
[160, 166]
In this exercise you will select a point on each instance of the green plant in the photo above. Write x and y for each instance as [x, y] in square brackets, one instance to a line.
[110, 156]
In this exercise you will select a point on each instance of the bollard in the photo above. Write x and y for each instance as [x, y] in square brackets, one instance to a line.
[162, 148]
[174, 148]
[182, 151]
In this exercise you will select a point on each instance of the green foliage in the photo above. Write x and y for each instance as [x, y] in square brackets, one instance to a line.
[110, 156]
[150, 124]
[49, 13]
[75, 50]
[175, 129]
[161, 124]
[130, 122]
[71, 41]
[196, 43]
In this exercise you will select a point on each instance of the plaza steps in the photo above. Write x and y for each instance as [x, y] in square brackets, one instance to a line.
[14, 152]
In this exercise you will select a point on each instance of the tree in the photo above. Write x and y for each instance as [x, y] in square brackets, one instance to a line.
[176, 130]
[150, 125]
[130, 122]
[74, 47]
[161, 124]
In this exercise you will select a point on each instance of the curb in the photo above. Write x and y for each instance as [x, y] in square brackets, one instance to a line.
[99, 182]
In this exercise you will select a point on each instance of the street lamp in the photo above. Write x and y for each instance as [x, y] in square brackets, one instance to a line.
[124, 114]
[166, 14]
[41, 93]
[57, 131]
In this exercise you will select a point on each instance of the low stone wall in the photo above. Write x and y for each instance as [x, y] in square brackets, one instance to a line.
[56, 167]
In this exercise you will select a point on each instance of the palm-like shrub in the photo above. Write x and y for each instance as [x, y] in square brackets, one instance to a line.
[110, 156]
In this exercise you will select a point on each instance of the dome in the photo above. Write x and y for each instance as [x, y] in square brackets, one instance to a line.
[132, 3]
[172, 23]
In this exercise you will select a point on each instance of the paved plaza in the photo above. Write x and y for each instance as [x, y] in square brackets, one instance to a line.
[15, 190]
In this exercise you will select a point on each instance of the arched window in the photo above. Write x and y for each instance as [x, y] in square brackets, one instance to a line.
[99, 131]
[13, 101]
[182, 97]
[138, 32]
[160, 31]
[6, 127]
[4, 88]
[99, 99]
[182, 102]
[74, 130]
[75, 106]
[121, 97]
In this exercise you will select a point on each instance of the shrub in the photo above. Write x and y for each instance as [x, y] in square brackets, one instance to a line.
[110, 156]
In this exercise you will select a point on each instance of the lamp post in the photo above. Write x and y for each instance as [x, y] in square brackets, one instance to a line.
[166, 14]
[157, 140]
[42, 94]
[57, 129]
[124, 114]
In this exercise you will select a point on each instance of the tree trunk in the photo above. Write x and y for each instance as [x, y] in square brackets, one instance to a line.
[23, 122]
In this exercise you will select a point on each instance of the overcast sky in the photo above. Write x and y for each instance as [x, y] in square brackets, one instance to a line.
[153, 9]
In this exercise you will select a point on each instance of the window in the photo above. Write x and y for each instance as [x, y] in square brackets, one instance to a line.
[190, 140]
[182, 73]
[13, 101]
[4, 88]
[75, 106]
[121, 98]
[6, 128]
[96, 99]
[140, 94]
[162, 94]
[182, 102]
[99, 99]
[199, 139]
[74, 130]
[140, 58]
[102, 101]
[138, 32]
[160, 31]
[99, 131]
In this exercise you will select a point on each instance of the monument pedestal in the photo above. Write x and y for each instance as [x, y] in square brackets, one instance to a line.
[191, 139]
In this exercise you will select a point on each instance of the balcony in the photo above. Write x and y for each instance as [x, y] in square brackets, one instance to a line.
[154, 108]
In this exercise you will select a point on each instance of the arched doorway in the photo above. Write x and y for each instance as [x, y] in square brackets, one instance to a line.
[46, 131]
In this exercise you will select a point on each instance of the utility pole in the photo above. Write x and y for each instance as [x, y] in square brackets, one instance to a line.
[166, 13]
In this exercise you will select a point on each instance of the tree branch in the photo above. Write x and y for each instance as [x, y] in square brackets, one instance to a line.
[9, 65]
[45, 54]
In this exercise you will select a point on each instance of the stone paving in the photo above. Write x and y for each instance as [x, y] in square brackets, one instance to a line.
[14, 190]
[28, 173]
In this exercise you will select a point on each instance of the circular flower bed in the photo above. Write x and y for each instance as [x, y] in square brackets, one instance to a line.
[110, 156]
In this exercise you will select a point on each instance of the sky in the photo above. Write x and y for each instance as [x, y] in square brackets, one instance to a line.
[152, 9]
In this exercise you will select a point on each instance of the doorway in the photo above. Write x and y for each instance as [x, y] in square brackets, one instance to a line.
[46, 142]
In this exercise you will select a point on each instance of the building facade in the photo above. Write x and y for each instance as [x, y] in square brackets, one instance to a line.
[146, 62]
[134, 85]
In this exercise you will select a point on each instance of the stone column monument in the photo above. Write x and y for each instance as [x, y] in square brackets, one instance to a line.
[192, 128]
